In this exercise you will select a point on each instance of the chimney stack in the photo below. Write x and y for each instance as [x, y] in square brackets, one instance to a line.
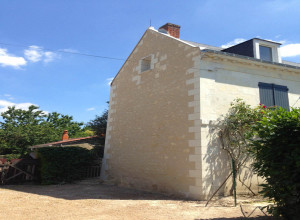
[65, 135]
[172, 29]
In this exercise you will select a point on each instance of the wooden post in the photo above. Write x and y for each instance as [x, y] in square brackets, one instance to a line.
[234, 181]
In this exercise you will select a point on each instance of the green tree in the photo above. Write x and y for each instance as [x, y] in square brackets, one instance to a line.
[59, 122]
[20, 129]
[99, 123]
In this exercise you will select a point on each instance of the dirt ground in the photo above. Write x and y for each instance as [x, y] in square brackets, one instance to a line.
[92, 200]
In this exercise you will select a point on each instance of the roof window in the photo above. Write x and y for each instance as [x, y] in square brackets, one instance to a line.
[265, 53]
[266, 50]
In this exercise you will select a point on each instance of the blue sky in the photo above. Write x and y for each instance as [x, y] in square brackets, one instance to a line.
[32, 71]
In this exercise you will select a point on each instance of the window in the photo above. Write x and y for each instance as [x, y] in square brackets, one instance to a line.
[266, 50]
[146, 63]
[265, 53]
[273, 95]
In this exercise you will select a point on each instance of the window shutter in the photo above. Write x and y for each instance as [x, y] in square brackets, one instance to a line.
[281, 96]
[266, 94]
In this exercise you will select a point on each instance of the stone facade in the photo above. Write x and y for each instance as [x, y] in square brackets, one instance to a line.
[160, 120]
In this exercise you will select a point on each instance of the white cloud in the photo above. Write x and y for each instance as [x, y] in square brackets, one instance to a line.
[11, 60]
[33, 54]
[109, 80]
[24, 106]
[5, 104]
[49, 56]
[91, 109]
[290, 50]
[36, 54]
[234, 42]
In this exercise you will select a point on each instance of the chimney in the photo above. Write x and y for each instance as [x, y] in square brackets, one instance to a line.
[65, 135]
[172, 29]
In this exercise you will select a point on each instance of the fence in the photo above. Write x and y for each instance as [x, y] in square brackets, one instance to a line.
[18, 171]
[26, 170]
[92, 171]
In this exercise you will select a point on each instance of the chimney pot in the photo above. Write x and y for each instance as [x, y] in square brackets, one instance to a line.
[65, 135]
[172, 29]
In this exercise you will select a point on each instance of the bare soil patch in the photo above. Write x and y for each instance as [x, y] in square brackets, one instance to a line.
[92, 200]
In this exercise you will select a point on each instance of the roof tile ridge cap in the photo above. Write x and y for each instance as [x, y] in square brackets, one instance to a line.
[182, 41]
[72, 139]
[62, 141]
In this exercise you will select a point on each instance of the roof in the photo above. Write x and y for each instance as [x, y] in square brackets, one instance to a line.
[270, 41]
[69, 141]
[203, 46]
[217, 50]
[283, 64]
[290, 63]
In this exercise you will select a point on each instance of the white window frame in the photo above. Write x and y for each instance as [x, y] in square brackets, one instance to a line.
[274, 47]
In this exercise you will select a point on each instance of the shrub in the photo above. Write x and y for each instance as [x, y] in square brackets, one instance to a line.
[277, 159]
[63, 164]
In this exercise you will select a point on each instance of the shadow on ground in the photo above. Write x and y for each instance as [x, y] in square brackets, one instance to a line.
[241, 218]
[92, 190]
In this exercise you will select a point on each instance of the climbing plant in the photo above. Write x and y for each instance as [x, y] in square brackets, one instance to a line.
[233, 131]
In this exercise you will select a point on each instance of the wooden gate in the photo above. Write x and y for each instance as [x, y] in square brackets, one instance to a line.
[18, 171]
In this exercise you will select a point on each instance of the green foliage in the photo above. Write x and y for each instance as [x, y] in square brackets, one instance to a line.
[277, 153]
[20, 129]
[99, 123]
[63, 164]
[233, 130]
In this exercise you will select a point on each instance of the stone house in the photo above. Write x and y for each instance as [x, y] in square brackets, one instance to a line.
[167, 95]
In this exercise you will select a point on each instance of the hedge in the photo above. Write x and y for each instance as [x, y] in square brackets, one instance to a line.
[63, 164]
[277, 158]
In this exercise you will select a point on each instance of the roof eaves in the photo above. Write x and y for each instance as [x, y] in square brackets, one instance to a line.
[250, 58]
[270, 41]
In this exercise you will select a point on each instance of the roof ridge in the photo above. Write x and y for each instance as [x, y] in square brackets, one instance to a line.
[63, 141]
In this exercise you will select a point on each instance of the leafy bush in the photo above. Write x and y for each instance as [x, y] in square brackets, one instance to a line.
[277, 155]
[63, 164]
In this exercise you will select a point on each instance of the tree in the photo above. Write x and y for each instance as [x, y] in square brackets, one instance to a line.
[276, 150]
[233, 130]
[99, 123]
[23, 128]
[59, 122]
